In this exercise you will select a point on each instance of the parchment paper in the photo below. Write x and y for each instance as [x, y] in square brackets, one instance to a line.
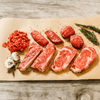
[9, 25]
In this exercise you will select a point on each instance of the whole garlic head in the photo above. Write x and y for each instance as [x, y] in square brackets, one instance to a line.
[9, 62]
[15, 56]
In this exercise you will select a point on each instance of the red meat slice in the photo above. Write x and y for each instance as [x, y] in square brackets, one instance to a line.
[53, 37]
[38, 38]
[84, 60]
[76, 41]
[67, 31]
[4, 44]
[63, 58]
[44, 58]
[33, 52]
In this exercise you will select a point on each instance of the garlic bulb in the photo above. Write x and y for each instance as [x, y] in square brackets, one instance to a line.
[9, 62]
[15, 56]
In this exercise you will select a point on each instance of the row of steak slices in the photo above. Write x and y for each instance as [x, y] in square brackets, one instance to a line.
[64, 57]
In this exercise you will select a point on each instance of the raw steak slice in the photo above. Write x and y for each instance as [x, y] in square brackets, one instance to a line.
[76, 41]
[53, 37]
[44, 58]
[67, 31]
[63, 59]
[38, 38]
[84, 60]
[33, 52]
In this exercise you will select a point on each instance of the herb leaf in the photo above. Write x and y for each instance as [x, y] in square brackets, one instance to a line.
[13, 74]
[89, 27]
[9, 71]
[90, 35]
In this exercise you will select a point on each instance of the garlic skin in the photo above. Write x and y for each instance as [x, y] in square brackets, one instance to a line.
[15, 56]
[9, 62]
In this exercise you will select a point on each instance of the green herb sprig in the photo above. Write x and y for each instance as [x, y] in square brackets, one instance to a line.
[11, 70]
[13, 74]
[90, 35]
[89, 27]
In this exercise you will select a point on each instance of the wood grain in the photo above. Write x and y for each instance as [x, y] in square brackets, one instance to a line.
[50, 90]
[49, 8]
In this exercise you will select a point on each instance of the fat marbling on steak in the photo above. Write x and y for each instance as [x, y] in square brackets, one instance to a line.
[63, 59]
[33, 51]
[84, 60]
[44, 58]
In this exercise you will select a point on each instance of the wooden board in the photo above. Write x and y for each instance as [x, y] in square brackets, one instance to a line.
[7, 26]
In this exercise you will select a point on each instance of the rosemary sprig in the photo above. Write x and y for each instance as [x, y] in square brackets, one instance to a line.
[89, 27]
[90, 35]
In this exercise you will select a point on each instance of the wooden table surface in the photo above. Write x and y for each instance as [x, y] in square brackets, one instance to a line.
[50, 90]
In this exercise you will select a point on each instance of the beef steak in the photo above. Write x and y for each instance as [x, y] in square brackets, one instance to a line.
[39, 38]
[76, 41]
[63, 59]
[84, 60]
[44, 58]
[33, 52]
[53, 37]
[67, 31]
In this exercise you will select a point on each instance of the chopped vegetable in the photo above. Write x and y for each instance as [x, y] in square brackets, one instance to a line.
[90, 35]
[89, 27]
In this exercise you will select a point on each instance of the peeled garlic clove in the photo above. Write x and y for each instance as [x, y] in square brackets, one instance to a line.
[15, 56]
[9, 62]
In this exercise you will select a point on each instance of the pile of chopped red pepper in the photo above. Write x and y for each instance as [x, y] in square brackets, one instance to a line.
[18, 41]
